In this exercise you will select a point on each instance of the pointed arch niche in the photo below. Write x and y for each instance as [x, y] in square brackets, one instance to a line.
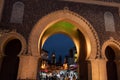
[12, 46]
[111, 53]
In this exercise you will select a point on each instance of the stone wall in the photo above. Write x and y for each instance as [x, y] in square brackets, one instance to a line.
[36, 9]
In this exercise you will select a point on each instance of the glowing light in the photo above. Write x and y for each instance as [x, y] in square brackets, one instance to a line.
[43, 66]
[75, 55]
[88, 48]
[65, 66]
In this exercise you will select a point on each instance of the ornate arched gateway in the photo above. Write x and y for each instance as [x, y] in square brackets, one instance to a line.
[71, 17]
[78, 28]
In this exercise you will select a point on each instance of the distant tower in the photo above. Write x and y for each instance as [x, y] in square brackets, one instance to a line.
[60, 60]
[66, 59]
[53, 59]
[72, 52]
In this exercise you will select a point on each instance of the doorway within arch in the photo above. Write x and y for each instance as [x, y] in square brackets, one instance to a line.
[65, 27]
[111, 65]
[10, 63]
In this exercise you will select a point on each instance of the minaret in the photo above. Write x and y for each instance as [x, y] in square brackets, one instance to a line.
[53, 59]
[72, 56]
[60, 60]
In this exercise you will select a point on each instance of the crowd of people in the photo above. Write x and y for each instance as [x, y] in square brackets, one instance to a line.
[60, 75]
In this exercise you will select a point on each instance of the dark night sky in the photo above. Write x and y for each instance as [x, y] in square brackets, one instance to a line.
[58, 43]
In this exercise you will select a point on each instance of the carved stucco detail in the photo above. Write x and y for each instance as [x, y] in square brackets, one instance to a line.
[57, 16]
[5, 31]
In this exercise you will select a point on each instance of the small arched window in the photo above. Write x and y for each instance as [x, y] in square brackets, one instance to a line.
[17, 12]
[109, 22]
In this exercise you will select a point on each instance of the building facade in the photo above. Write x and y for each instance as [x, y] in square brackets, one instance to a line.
[93, 25]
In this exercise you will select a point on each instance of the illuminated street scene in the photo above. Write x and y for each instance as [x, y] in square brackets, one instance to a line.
[52, 70]
[57, 66]
[59, 40]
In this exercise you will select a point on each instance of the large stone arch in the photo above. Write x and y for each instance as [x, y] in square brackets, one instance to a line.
[83, 25]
